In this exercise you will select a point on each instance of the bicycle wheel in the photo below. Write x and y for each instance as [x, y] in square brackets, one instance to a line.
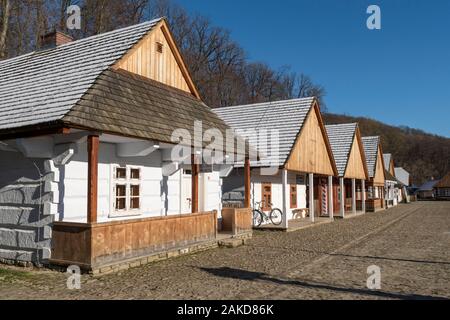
[276, 216]
[257, 218]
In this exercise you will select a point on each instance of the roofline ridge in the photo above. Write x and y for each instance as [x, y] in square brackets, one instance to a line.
[150, 23]
[268, 103]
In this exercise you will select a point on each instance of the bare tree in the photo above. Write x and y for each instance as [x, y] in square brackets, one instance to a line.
[4, 18]
[306, 88]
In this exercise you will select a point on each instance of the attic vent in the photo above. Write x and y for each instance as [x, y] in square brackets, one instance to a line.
[159, 47]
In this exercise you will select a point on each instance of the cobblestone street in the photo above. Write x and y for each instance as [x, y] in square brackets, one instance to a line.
[410, 243]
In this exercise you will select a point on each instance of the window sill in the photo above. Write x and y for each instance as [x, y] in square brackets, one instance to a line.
[127, 214]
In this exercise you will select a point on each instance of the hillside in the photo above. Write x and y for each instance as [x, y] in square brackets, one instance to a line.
[423, 155]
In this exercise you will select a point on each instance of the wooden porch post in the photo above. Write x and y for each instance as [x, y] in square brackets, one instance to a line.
[195, 167]
[330, 198]
[354, 195]
[286, 197]
[342, 200]
[247, 179]
[93, 144]
[311, 197]
[363, 196]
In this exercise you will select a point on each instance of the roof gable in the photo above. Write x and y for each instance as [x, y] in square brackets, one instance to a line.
[379, 175]
[312, 151]
[42, 86]
[166, 66]
[357, 165]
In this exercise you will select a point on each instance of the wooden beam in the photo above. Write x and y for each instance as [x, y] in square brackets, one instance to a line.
[247, 179]
[311, 197]
[354, 195]
[286, 197]
[195, 174]
[342, 200]
[363, 196]
[93, 144]
[32, 131]
[330, 198]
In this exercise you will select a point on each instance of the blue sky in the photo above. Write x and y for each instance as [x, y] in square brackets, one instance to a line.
[399, 75]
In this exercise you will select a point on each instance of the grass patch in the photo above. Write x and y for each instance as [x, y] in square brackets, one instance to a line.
[10, 275]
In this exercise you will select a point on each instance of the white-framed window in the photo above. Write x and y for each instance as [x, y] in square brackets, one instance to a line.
[126, 190]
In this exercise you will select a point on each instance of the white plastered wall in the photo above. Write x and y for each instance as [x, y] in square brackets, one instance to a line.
[160, 195]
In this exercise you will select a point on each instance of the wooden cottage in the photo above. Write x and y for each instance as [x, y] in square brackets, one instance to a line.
[375, 164]
[442, 188]
[100, 156]
[349, 187]
[296, 168]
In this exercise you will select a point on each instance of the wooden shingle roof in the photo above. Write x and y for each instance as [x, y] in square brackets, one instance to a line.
[42, 86]
[287, 117]
[341, 138]
[124, 103]
[371, 145]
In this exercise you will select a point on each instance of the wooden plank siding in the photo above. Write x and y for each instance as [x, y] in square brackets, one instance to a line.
[312, 152]
[94, 245]
[237, 220]
[379, 178]
[356, 166]
[166, 67]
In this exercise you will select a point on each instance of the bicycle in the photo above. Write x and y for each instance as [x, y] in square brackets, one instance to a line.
[275, 216]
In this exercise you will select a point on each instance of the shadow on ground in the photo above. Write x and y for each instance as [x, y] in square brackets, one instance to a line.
[240, 274]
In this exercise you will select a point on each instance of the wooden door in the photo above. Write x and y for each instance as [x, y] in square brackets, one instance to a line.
[266, 196]
[186, 192]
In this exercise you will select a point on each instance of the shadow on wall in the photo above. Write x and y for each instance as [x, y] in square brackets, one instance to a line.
[21, 206]
[240, 274]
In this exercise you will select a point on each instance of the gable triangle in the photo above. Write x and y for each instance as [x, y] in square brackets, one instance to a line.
[311, 153]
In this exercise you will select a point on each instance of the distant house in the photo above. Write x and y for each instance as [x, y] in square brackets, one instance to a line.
[426, 191]
[303, 161]
[442, 188]
[375, 164]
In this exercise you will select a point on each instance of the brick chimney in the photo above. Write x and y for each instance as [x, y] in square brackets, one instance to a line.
[54, 39]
